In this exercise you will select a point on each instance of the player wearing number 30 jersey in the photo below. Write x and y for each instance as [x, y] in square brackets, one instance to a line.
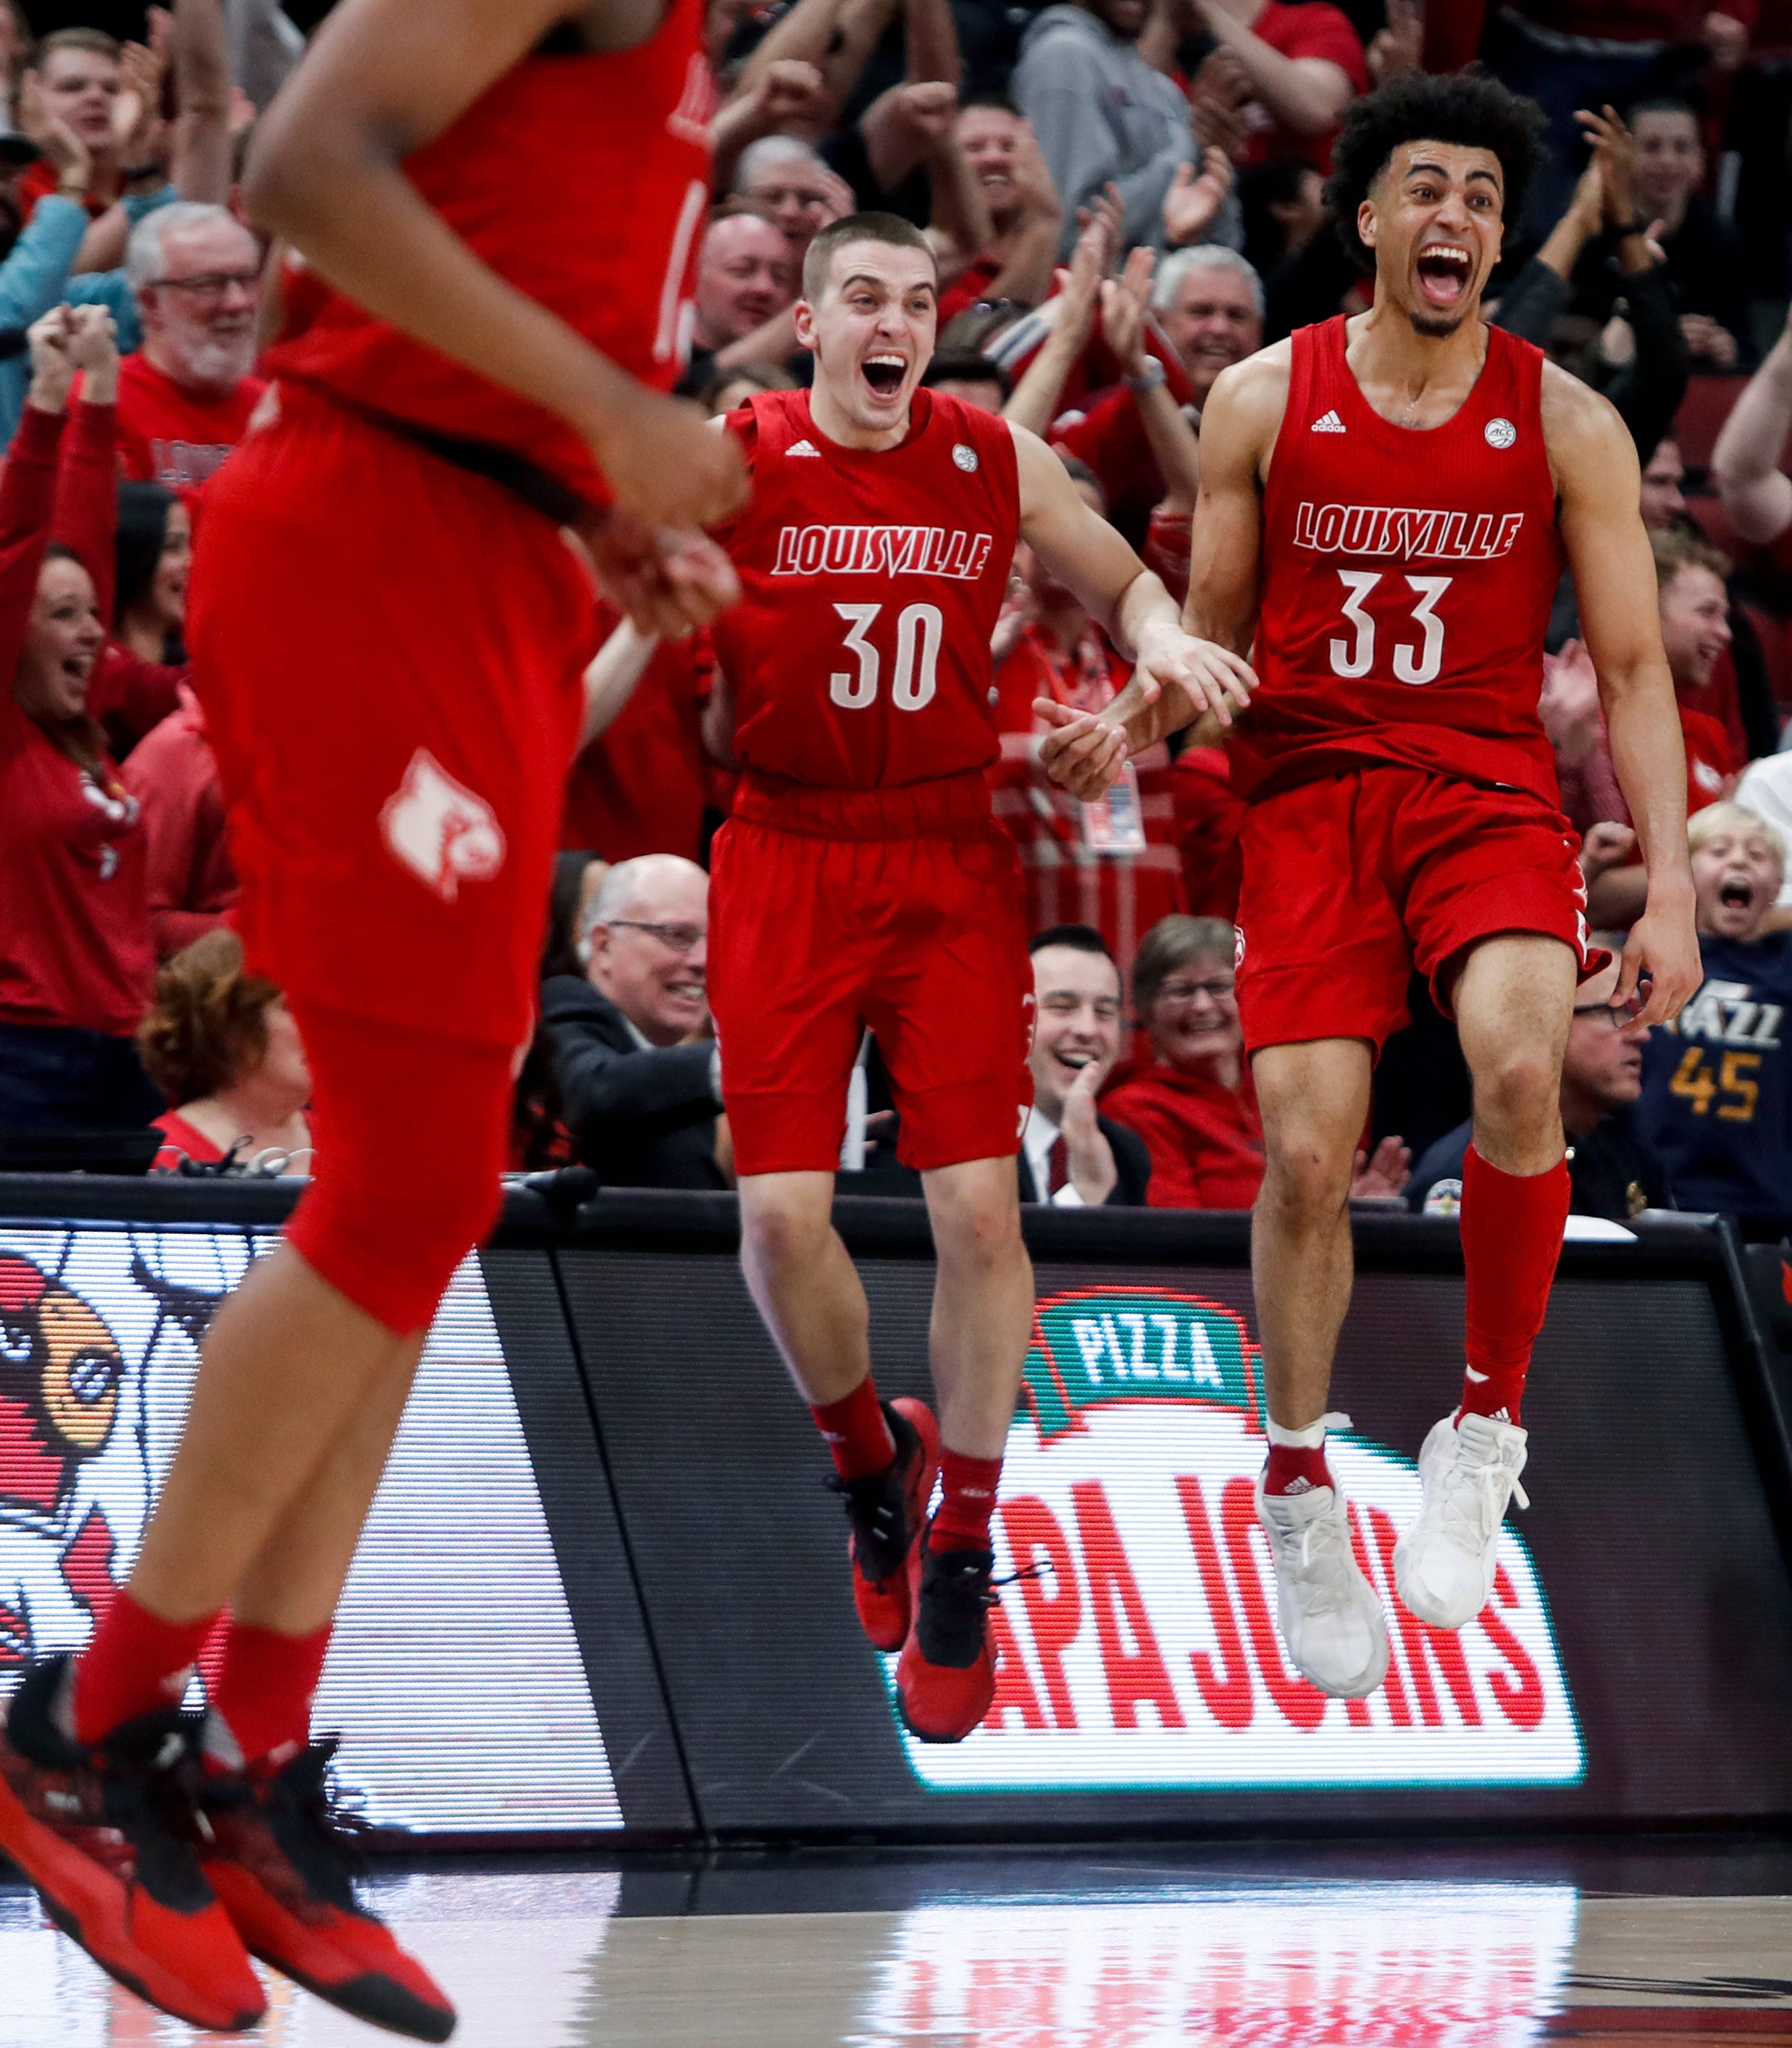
[1387, 502]
[862, 882]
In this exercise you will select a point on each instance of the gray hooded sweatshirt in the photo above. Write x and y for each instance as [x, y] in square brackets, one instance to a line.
[1102, 114]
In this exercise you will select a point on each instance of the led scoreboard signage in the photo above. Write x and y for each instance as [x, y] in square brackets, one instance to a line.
[1136, 1641]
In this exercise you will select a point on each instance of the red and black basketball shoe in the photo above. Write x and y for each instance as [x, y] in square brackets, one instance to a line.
[888, 1510]
[278, 1853]
[105, 1832]
[946, 1678]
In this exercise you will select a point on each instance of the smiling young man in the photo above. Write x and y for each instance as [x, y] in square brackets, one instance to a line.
[1385, 504]
[1071, 1155]
[862, 881]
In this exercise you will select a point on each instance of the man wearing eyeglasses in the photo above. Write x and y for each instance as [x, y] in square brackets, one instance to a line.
[1613, 1170]
[185, 398]
[638, 1088]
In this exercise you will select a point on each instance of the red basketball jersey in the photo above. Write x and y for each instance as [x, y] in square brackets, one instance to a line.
[859, 651]
[1407, 580]
[582, 178]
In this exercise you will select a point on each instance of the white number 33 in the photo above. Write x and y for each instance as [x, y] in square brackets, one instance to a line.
[1422, 663]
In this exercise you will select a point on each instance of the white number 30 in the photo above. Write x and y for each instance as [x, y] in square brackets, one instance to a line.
[920, 630]
[1422, 664]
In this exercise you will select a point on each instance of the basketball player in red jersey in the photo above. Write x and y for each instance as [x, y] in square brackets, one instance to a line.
[1386, 503]
[863, 881]
[389, 624]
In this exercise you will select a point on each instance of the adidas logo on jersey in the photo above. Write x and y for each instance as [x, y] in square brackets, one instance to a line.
[1331, 424]
[804, 448]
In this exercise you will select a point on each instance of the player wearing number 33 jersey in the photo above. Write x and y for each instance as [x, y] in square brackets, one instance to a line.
[1387, 504]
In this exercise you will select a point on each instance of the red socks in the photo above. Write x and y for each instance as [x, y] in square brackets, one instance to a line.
[1511, 1239]
[1296, 1460]
[136, 1663]
[856, 1432]
[968, 1488]
[265, 1691]
[1292, 1469]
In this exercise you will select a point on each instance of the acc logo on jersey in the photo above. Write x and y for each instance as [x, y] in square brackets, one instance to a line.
[965, 456]
[1500, 433]
[443, 832]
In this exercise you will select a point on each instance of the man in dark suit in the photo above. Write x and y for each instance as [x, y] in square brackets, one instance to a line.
[1070, 1156]
[641, 1095]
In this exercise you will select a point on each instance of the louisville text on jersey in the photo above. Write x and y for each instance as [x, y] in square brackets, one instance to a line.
[935, 551]
[1407, 533]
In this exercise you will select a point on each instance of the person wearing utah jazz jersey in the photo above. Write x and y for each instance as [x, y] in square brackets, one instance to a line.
[1717, 1094]
[1385, 504]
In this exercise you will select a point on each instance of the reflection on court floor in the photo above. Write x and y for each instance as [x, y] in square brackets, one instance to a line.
[559, 1961]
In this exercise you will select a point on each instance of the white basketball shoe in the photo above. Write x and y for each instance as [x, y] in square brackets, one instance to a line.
[1443, 1565]
[1331, 1621]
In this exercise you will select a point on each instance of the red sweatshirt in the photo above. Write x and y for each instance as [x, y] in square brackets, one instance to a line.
[191, 884]
[74, 946]
[1206, 1141]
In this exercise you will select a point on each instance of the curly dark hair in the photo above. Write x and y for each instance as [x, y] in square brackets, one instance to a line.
[207, 1026]
[1467, 107]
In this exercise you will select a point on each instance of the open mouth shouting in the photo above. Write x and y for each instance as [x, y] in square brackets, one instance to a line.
[1446, 269]
[885, 371]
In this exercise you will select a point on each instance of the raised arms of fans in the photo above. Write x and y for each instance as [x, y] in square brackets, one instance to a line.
[609, 681]
[1757, 493]
[200, 166]
[383, 77]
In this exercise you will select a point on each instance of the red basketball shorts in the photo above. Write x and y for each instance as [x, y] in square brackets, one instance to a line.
[900, 909]
[1352, 880]
[388, 652]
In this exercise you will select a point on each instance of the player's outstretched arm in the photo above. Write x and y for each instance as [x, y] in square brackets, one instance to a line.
[382, 78]
[1597, 477]
[1177, 677]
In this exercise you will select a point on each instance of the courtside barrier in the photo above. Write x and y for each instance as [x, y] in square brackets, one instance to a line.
[605, 1592]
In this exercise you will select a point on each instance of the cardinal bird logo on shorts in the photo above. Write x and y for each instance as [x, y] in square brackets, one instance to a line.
[443, 832]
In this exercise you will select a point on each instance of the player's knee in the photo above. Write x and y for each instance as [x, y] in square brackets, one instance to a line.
[394, 1251]
[1305, 1177]
[978, 1236]
[1517, 1087]
[783, 1231]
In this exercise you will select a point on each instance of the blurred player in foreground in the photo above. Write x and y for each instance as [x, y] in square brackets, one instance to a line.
[389, 624]
[1386, 503]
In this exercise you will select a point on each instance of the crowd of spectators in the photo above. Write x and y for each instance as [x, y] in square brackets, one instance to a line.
[1126, 196]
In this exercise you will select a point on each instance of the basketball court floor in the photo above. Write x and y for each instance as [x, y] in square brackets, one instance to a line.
[1658, 1944]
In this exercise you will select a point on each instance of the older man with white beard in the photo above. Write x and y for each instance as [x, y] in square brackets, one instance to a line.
[185, 397]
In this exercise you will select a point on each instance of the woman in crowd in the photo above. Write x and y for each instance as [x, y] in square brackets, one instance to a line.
[221, 1045]
[153, 552]
[76, 956]
[1189, 1097]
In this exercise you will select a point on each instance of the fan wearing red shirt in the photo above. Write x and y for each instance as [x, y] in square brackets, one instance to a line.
[862, 883]
[1386, 504]
[390, 621]
[187, 396]
[76, 958]
[1301, 66]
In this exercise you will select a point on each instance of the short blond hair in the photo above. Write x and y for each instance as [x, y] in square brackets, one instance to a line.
[1715, 818]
